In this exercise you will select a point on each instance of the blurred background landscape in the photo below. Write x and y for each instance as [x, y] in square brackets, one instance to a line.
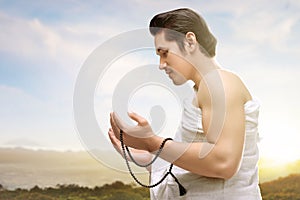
[43, 45]
[25, 168]
[37, 174]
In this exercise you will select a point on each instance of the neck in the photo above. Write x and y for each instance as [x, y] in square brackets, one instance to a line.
[203, 65]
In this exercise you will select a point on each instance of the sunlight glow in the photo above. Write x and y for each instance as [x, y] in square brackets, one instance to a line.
[280, 146]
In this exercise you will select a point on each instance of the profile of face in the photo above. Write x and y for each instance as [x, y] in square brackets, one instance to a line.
[172, 59]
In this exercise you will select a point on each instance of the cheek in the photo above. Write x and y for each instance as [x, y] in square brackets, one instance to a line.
[174, 60]
[178, 63]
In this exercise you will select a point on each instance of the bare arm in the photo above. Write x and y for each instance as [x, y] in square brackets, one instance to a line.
[225, 148]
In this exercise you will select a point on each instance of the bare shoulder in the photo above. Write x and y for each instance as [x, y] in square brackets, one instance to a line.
[223, 84]
[234, 86]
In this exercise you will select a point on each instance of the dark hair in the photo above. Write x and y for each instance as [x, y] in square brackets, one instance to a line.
[176, 23]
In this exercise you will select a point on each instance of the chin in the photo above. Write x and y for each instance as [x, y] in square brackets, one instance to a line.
[178, 82]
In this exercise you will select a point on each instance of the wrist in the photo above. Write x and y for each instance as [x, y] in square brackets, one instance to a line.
[154, 143]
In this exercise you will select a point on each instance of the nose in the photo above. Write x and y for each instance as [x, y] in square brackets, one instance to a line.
[162, 64]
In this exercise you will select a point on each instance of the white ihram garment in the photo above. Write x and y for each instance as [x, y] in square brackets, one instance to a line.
[242, 186]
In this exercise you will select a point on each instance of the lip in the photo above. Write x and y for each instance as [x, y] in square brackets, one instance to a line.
[169, 74]
[168, 71]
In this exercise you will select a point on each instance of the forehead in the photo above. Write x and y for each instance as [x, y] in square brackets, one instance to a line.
[161, 43]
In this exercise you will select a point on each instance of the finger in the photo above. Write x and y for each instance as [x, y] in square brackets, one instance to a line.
[113, 138]
[110, 119]
[119, 122]
[112, 122]
[139, 119]
[115, 142]
[115, 129]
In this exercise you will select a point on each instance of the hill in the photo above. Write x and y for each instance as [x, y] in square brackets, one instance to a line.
[25, 168]
[286, 188]
[270, 169]
[115, 191]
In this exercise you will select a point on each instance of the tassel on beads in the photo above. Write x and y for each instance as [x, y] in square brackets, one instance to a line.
[182, 190]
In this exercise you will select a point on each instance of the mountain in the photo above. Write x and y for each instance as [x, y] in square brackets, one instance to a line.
[25, 168]
[285, 188]
[270, 170]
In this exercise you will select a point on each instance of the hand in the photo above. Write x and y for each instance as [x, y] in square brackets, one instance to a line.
[140, 156]
[140, 136]
[114, 127]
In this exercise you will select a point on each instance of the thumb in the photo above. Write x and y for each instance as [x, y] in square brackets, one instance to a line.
[119, 122]
[139, 119]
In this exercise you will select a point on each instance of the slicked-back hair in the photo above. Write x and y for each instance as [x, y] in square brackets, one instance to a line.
[176, 23]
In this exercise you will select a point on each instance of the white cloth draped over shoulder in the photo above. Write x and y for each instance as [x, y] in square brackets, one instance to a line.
[242, 186]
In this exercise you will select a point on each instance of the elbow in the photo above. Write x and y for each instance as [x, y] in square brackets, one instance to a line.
[224, 170]
[228, 168]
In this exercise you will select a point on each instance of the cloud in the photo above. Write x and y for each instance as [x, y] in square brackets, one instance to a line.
[22, 142]
[65, 44]
[51, 40]
[31, 40]
[269, 25]
[25, 116]
[26, 38]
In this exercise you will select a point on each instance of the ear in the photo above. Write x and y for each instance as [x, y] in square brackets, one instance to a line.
[191, 41]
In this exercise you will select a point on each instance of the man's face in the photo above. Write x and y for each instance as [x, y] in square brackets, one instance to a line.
[171, 59]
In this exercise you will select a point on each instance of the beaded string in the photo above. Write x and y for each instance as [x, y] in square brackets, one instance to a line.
[182, 190]
[153, 160]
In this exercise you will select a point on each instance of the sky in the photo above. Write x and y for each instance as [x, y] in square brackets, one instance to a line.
[44, 44]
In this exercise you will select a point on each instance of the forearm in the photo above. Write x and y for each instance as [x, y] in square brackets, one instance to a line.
[200, 158]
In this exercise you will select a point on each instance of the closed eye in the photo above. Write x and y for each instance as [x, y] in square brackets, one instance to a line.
[162, 52]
